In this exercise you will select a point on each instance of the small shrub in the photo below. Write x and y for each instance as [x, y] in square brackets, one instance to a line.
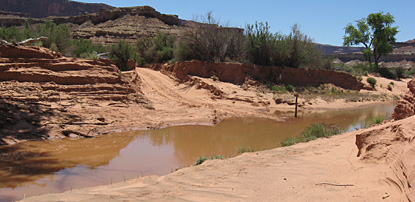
[392, 83]
[244, 150]
[280, 89]
[399, 72]
[387, 73]
[89, 56]
[360, 78]
[311, 133]
[288, 142]
[410, 73]
[214, 78]
[121, 52]
[378, 120]
[372, 81]
[290, 88]
[202, 159]
[390, 87]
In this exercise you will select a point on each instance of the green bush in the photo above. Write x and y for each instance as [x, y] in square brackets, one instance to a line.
[410, 73]
[209, 41]
[59, 36]
[372, 81]
[390, 87]
[289, 141]
[387, 73]
[121, 52]
[289, 88]
[293, 50]
[399, 72]
[202, 159]
[89, 56]
[378, 120]
[280, 89]
[85, 48]
[242, 150]
[313, 132]
[156, 50]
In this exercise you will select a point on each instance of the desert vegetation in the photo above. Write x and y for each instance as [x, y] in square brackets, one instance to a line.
[59, 39]
[202, 159]
[207, 41]
[312, 132]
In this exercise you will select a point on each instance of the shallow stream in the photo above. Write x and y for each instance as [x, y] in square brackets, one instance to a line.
[40, 167]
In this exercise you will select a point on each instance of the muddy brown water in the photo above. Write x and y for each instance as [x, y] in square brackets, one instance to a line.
[40, 167]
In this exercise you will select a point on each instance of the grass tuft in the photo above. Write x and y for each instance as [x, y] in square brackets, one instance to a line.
[378, 120]
[202, 159]
[244, 150]
[313, 132]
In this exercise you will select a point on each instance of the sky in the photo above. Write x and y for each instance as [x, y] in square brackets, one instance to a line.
[322, 20]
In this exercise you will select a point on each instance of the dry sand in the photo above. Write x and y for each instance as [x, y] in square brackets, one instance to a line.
[321, 170]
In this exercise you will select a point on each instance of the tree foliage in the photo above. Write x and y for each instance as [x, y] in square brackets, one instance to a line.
[375, 32]
[293, 50]
[156, 50]
[121, 52]
[209, 41]
[59, 36]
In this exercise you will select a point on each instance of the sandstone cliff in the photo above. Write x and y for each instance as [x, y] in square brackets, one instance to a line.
[107, 26]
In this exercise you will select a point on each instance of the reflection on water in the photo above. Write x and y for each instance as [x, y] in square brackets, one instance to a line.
[34, 168]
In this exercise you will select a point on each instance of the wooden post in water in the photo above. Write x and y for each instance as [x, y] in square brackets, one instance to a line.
[296, 103]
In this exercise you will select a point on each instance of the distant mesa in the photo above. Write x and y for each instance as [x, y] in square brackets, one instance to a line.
[46, 8]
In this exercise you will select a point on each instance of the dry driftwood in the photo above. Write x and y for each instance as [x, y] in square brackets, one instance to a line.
[24, 42]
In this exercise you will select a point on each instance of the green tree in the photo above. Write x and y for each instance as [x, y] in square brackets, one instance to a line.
[121, 52]
[375, 32]
[157, 49]
[210, 41]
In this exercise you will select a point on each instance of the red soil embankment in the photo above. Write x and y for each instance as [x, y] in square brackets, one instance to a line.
[236, 73]
[392, 144]
[406, 106]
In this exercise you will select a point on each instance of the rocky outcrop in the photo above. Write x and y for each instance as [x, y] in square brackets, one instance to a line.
[59, 78]
[237, 73]
[406, 106]
[111, 14]
[38, 87]
[45, 8]
[108, 26]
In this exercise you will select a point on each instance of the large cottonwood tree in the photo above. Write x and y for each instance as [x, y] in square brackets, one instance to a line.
[375, 32]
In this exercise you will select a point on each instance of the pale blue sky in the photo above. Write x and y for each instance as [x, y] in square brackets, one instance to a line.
[322, 20]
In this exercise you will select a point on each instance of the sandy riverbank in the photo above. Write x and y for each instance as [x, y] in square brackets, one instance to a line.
[321, 170]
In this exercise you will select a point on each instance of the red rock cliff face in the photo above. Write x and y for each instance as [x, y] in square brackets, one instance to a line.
[406, 106]
[237, 72]
[45, 8]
